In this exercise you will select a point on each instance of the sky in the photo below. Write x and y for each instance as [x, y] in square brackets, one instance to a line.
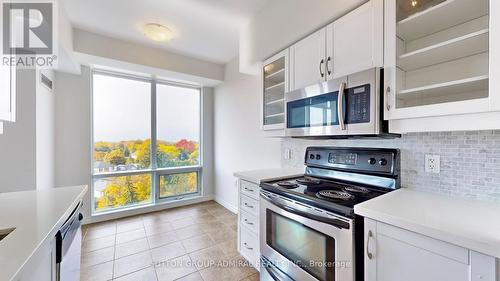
[122, 110]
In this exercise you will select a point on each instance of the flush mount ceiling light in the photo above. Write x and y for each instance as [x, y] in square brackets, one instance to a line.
[157, 32]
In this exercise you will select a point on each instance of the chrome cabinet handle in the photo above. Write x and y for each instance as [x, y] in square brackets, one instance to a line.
[368, 254]
[246, 246]
[328, 60]
[249, 206]
[340, 106]
[247, 222]
[321, 68]
[248, 189]
[387, 99]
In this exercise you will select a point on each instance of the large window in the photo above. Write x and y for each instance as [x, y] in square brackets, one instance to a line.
[146, 144]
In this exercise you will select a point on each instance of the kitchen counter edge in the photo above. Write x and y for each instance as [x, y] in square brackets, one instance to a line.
[259, 176]
[465, 223]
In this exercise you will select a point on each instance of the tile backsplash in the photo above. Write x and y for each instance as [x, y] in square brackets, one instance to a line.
[470, 161]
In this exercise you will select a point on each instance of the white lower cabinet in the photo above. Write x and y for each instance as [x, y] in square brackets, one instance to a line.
[248, 222]
[249, 246]
[42, 264]
[395, 254]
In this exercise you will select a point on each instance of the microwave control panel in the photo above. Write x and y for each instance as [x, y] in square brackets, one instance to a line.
[358, 104]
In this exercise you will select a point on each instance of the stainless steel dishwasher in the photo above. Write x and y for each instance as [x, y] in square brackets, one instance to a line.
[68, 247]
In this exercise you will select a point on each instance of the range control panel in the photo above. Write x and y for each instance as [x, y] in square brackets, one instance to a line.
[358, 159]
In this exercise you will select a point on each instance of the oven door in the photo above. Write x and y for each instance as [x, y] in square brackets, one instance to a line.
[304, 243]
[317, 110]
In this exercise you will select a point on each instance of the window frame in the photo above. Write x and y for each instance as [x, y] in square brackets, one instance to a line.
[153, 170]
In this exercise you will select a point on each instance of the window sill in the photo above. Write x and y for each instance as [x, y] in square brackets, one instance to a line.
[145, 208]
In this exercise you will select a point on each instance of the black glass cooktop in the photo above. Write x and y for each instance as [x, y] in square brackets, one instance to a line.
[333, 196]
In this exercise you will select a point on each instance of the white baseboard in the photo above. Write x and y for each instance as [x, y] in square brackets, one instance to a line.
[227, 205]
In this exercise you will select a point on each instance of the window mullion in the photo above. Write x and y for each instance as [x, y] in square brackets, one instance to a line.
[154, 180]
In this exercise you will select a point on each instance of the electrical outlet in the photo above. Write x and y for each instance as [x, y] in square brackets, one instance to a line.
[288, 154]
[432, 163]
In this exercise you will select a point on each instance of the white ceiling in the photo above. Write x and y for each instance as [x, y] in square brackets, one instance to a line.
[205, 29]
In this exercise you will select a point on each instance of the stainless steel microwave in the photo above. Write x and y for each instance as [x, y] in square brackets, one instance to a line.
[350, 106]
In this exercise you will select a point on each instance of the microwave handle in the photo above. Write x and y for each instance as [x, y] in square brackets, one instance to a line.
[340, 106]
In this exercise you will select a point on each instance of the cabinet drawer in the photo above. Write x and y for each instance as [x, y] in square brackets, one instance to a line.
[249, 205]
[249, 189]
[249, 246]
[250, 222]
[424, 243]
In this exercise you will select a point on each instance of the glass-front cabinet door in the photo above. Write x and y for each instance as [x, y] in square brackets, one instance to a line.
[437, 55]
[275, 75]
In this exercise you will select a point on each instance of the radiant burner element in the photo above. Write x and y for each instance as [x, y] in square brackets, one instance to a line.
[334, 195]
[307, 181]
[287, 184]
[357, 189]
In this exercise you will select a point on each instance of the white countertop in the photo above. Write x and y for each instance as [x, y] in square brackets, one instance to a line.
[37, 216]
[470, 224]
[258, 176]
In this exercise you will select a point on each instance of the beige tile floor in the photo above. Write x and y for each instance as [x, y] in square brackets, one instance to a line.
[196, 242]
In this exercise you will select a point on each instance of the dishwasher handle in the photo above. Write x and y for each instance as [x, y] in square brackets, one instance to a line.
[67, 233]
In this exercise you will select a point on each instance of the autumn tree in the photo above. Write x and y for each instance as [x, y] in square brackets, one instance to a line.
[125, 190]
[143, 153]
[185, 145]
[115, 157]
[178, 184]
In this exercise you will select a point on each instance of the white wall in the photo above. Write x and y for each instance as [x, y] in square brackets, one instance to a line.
[208, 141]
[27, 146]
[239, 142]
[72, 126]
[45, 123]
[283, 22]
[90, 47]
[18, 142]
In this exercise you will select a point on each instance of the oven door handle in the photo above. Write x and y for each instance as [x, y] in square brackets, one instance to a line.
[335, 222]
[275, 274]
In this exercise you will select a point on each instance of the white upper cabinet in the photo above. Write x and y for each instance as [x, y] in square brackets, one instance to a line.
[356, 40]
[275, 74]
[308, 62]
[351, 44]
[439, 58]
[7, 94]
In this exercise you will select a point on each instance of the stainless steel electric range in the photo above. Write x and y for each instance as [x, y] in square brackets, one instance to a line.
[308, 228]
